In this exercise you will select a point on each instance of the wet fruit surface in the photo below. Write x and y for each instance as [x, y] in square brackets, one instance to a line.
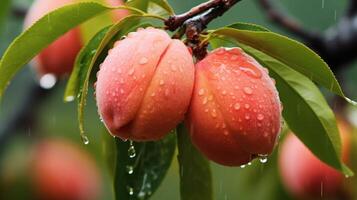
[235, 112]
[144, 85]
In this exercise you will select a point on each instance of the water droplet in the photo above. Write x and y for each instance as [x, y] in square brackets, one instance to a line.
[85, 139]
[251, 71]
[237, 106]
[247, 106]
[225, 132]
[121, 91]
[248, 90]
[242, 166]
[69, 98]
[260, 117]
[214, 113]
[247, 117]
[131, 71]
[130, 190]
[153, 94]
[131, 150]
[236, 87]
[263, 158]
[205, 100]
[119, 71]
[201, 92]
[129, 169]
[224, 92]
[143, 61]
[47, 81]
[206, 110]
[249, 163]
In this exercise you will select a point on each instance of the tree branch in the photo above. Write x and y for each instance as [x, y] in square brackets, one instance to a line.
[193, 22]
[285, 21]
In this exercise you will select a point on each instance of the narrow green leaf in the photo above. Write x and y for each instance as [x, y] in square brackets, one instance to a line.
[44, 32]
[288, 51]
[141, 167]
[305, 110]
[139, 4]
[165, 5]
[41, 34]
[81, 64]
[195, 171]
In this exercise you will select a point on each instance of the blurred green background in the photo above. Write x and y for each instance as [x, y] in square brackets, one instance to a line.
[58, 119]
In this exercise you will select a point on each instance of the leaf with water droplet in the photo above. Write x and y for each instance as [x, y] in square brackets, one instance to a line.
[143, 172]
[305, 110]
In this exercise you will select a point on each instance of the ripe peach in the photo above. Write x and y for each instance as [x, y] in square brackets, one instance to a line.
[144, 85]
[62, 171]
[58, 58]
[304, 175]
[235, 112]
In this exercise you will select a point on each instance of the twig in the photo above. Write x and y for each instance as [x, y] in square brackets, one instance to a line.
[352, 8]
[174, 22]
[286, 22]
[19, 12]
[193, 22]
[336, 46]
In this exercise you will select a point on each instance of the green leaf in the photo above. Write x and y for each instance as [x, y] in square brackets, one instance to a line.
[305, 110]
[80, 69]
[41, 34]
[140, 176]
[195, 171]
[165, 5]
[139, 4]
[288, 51]
[118, 30]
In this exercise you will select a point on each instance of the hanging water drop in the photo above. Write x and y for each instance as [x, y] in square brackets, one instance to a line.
[85, 139]
[130, 190]
[131, 150]
[69, 98]
[263, 158]
[129, 169]
[47, 81]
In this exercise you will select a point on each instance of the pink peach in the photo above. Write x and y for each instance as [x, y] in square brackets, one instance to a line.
[61, 170]
[304, 175]
[58, 58]
[144, 85]
[235, 112]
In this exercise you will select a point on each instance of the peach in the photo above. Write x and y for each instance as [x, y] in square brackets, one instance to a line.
[58, 58]
[144, 85]
[304, 175]
[60, 170]
[235, 112]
